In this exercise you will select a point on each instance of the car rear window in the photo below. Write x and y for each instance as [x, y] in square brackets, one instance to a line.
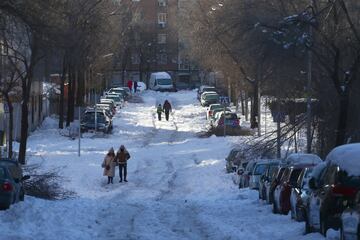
[2, 173]
[260, 169]
[349, 181]
[230, 116]
[212, 96]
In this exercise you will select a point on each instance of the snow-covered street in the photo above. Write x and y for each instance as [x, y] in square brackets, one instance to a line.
[177, 188]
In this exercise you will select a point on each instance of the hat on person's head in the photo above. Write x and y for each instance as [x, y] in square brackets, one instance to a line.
[122, 147]
[111, 150]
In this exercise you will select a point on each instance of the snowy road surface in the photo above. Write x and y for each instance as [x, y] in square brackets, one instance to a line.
[177, 185]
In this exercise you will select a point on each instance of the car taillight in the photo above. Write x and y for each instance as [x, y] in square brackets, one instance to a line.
[237, 122]
[7, 187]
[339, 190]
[210, 113]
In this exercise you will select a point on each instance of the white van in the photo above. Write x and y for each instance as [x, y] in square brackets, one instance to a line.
[161, 81]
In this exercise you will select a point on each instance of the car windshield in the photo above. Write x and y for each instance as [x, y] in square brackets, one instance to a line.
[295, 173]
[260, 169]
[272, 170]
[230, 116]
[209, 89]
[115, 98]
[90, 117]
[164, 81]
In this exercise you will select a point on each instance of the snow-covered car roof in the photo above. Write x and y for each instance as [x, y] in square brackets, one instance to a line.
[303, 159]
[161, 75]
[347, 157]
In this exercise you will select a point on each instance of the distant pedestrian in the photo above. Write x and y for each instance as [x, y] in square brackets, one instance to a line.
[122, 156]
[135, 86]
[167, 109]
[109, 165]
[130, 83]
[159, 111]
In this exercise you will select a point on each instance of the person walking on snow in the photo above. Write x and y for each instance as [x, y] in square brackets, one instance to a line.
[167, 109]
[122, 156]
[159, 111]
[130, 83]
[135, 86]
[109, 165]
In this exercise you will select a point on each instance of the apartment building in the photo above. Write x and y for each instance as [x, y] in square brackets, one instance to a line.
[156, 44]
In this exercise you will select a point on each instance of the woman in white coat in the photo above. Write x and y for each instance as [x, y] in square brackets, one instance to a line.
[109, 165]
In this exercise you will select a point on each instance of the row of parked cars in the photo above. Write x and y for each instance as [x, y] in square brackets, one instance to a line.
[216, 113]
[322, 194]
[99, 117]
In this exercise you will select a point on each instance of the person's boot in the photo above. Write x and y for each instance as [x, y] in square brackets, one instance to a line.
[125, 180]
[120, 180]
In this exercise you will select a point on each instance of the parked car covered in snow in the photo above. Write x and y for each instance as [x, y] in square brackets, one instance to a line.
[118, 98]
[103, 122]
[245, 177]
[336, 188]
[208, 98]
[205, 88]
[275, 180]
[350, 220]
[11, 182]
[265, 179]
[259, 170]
[120, 91]
[231, 161]
[211, 108]
[229, 119]
[109, 102]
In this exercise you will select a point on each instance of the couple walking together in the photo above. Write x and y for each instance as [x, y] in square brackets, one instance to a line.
[165, 108]
[111, 161]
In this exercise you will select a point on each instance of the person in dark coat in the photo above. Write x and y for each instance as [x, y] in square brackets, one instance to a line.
[167, 109]
[135, 86]
[159, 111]
[122, 156]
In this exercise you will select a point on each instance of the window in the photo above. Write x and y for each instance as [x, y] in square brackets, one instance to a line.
[162, 20]
[162, 3]
[161, 38]
[162, 58]
[135, 58]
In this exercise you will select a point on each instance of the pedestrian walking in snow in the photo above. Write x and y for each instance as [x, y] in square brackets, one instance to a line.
[109, 165]
[135, 86]
[167, 109]
[122, 156]
[130, 83]
[159, 111]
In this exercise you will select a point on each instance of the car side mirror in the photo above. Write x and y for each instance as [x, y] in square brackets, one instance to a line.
[312, 184]
[26, 177]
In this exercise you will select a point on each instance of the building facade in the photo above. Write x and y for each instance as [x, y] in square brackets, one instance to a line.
[156, 45]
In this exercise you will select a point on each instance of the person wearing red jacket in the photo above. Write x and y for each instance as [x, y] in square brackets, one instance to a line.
[130, 83]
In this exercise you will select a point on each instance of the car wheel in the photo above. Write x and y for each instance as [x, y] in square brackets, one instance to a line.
[323, 226]
[22, 196]
[4, 207]
[275, 210]
[308, 228]
[342, 234]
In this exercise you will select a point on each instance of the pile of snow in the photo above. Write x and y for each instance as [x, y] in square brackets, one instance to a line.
[347, 157]
[303, 159]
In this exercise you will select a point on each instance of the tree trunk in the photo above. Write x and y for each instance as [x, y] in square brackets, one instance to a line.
[11, 124]
[246, 107]
[62, 89]
[242, 103]
[254, 107]
[71, 97]
[343, 117]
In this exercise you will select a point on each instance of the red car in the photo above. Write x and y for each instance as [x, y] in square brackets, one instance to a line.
[283, 190]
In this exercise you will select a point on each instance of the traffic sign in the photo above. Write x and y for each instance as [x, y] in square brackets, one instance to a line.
[224, 100]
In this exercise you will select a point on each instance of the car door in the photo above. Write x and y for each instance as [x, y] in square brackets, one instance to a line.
[318, 196]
